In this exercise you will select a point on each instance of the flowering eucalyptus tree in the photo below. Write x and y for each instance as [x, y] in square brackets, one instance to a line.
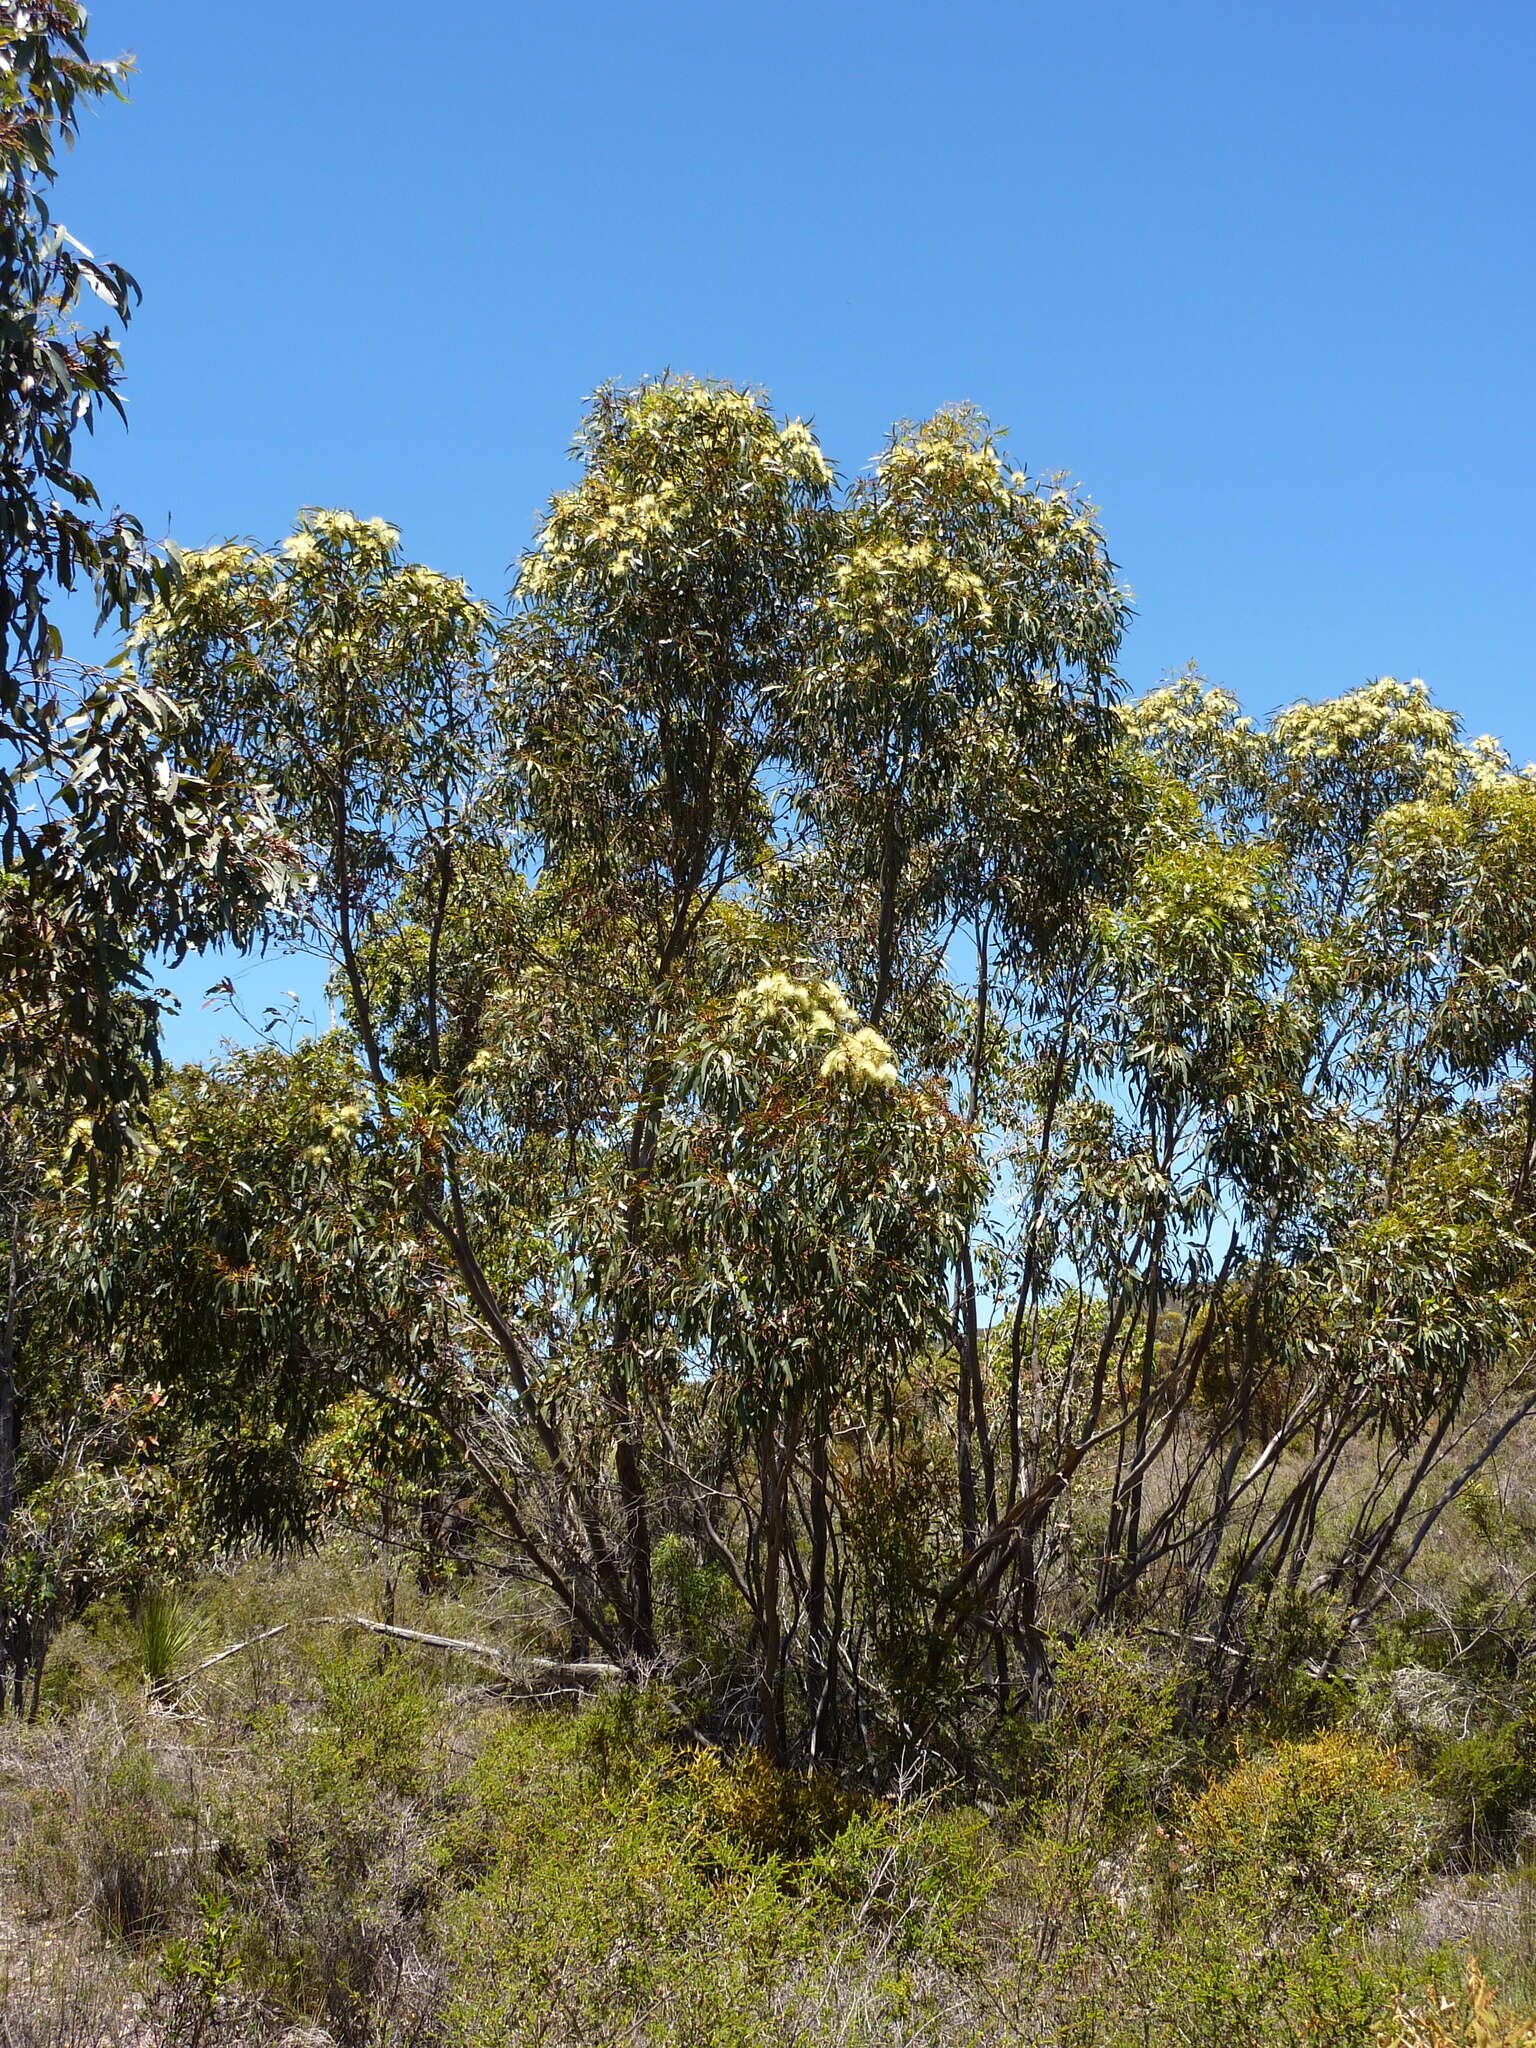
[534, 887]
[954, 720]
[1280, 1234]
[956, 743]
[811, 1198]
[668, 598]
[771, 943]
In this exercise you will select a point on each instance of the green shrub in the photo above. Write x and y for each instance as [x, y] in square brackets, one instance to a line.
[1219, 1984]
[701, 1613]
[377, 1711]
[325, 1848]
[1106, 1750]
[626, 1729]
[1335, 1822]
[1487, 1778]
[198, 1974]
[586, 1918]
[898, 1537]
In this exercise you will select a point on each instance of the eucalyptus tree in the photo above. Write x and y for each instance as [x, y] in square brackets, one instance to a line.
[669, 598]
[726, 707]
[125, 835]
[56, 374]
[354, 678]
[965, 672]
[537, 863]
[1282, 1241]
[905, 701]
[1244, 1063]
[185, 1334]
[955, 734]
[260, 1264]
[806, 1200]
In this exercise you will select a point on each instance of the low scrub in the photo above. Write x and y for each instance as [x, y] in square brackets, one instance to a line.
[366, 1846]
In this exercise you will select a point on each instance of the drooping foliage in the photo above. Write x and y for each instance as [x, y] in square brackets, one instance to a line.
[123, 833]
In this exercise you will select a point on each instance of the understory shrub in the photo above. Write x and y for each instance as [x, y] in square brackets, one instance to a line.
[373, 1853]
[111, 1835]
[1487, 1779]
[1105, 1754]
[326, 1854]
[1335, 1824]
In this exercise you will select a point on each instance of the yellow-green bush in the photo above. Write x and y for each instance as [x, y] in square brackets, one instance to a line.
[581, 1909]
[745, 1805]
[1107, 1751]
[1334, 1822]
[598, 1891]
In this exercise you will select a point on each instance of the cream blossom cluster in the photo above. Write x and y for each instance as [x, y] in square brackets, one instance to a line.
[805, 456]
[211, 575]
[1187, 709]
[862, 1060]
[626, 527]
[338, 1128]
[1397, 721]
[872, 574]
[343, 529]
[934, 453]
[810, 1012]
[412, 585]
[1489, 763]
[802, 1010]
[216, 567]
[616, 514]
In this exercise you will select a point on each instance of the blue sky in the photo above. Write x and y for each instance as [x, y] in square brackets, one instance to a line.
[1262, 278]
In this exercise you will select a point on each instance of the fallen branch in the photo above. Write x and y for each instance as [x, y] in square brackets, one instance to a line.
[581, 1674]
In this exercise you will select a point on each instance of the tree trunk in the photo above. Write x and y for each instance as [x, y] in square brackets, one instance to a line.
[820, 1643]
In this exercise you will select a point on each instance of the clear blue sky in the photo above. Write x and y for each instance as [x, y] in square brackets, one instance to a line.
[1262, 278]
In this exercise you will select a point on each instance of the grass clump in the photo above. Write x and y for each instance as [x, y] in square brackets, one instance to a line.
[166, 1635]
[1473, 2017]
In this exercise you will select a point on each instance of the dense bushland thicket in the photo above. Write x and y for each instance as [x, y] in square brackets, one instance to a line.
[935, 1227]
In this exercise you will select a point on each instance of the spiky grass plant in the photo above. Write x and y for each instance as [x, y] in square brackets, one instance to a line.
[167, 1633]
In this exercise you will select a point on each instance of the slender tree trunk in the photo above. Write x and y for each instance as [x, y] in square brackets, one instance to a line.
[974, 1427]
[9, 1431]
[820, 1641]
[892, 861]
[773, 1470]
[39, 1658]
[972, 1430]
[9, 1417]
[634, 1507]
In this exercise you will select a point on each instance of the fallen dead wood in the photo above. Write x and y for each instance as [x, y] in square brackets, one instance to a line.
[580, 1674]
